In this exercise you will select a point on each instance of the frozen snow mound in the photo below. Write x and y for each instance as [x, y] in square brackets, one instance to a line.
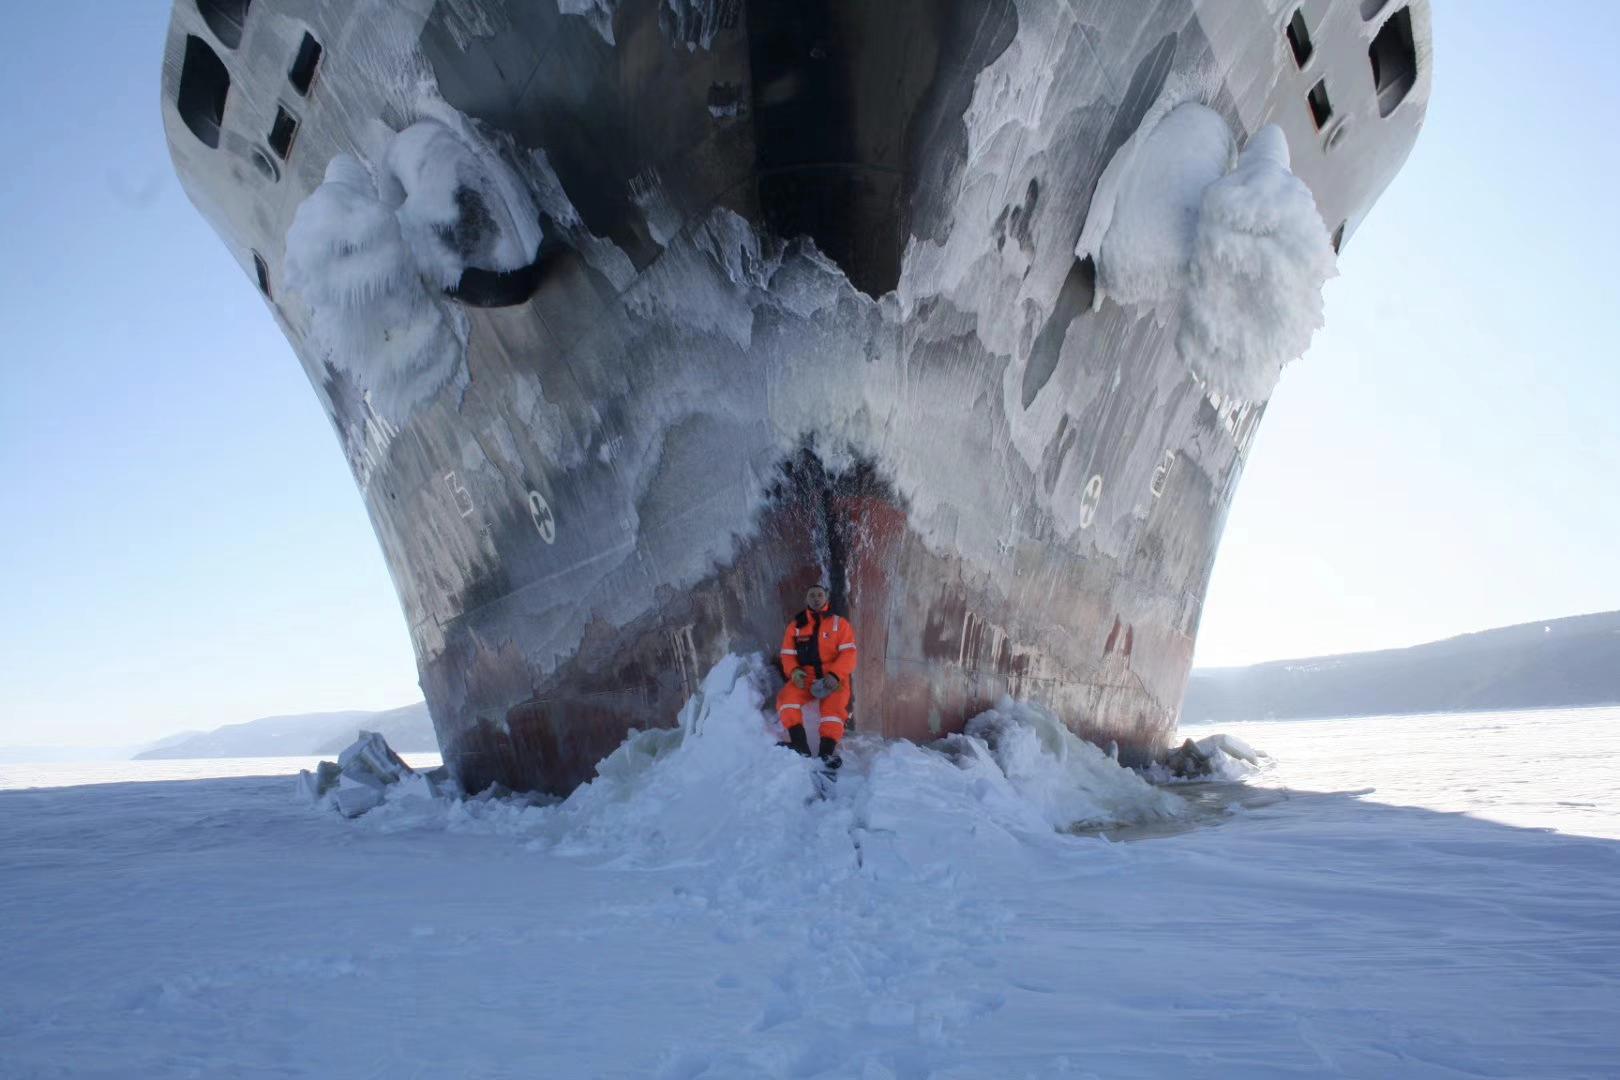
[720, 790]
[1227, 248]
[722, 784]
[716, 787]
[1067, 780]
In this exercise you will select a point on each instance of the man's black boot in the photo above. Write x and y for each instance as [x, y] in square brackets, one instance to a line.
[828, 752]
[798, 739]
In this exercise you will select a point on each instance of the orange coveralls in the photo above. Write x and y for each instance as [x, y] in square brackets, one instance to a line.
[836, 650]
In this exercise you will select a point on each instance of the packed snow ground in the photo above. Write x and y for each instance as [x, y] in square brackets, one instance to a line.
[698, 912]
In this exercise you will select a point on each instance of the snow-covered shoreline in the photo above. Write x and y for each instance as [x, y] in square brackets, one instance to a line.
[680, 928]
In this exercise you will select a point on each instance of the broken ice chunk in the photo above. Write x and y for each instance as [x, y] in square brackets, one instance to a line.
[442, 783]
[314, 785]
[366, 773]
[1187, 761]
[1230, 745]
[371, 761]
[354, 798]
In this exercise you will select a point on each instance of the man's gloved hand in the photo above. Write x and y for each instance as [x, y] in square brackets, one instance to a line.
[799, 677]
[825, 686]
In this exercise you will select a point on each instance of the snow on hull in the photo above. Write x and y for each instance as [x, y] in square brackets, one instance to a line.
[1228, 248]
[457, 203]
[373, 250]
[1260, 259]
[371, 313]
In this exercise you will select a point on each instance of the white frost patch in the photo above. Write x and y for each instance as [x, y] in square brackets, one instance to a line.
[344, 246]
[599, 13]
[372, 258]
[458, 204]
[1144, 218]
[809, 284]
[652, 199]
[712, 282]
[1231, 251]
[1260, 260]
[470, 20]
[692, 23]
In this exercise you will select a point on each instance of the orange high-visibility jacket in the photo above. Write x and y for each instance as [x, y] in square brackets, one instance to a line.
[835, 647]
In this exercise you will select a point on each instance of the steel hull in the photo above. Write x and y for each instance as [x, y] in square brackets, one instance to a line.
[809, 310]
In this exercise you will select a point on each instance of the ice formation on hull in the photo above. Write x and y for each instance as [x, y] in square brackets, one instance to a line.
[1226, 248]
[370, 312]
[807, 306]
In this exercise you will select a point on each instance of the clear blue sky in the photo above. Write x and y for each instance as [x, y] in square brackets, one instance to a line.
[184, 547]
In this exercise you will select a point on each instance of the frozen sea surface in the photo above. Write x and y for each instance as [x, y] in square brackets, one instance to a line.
[918, 924]
[50, 774]
[1552, 769]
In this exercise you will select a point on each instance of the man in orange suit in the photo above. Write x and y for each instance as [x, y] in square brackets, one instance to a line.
[818, 658]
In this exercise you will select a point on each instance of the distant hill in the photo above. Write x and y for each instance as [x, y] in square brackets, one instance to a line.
[169, 740]
[408, 730]
[1573, 661]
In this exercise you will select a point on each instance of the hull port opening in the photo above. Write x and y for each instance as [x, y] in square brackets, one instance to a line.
[282, 132]
[261, 270]
[1299, 38]
[226, 19]
[204, 84]
[479, 287]
[497, 288]
[1394, 61]
[304, 65]
[266, 167]
[1321, 108]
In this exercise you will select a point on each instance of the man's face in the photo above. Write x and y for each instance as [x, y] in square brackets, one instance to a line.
[816, 598]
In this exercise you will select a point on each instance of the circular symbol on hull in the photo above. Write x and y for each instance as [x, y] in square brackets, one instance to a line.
[1089, 500]
[544, 523]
